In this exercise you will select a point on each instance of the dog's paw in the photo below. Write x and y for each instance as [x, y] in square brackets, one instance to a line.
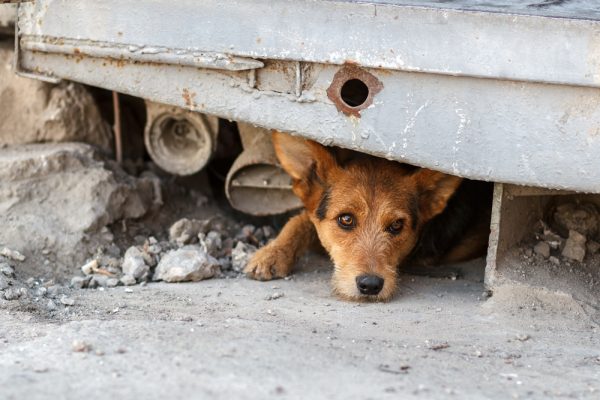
[270, 262]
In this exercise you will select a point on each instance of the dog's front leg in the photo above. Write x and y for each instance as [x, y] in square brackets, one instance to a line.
[277, 258]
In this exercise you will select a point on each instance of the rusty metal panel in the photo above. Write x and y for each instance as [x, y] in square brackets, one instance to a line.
[492, 96]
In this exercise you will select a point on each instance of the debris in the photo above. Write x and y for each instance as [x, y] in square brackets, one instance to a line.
[112, 282]
[575, 246]
[543, 249]
[523, 337]
[211, 242]
[7, 270]
[185, 231]
[436, 346]
[90, 267]
[128, 280]
[554, 260]
[67, 301]
[274, 296]
[583, 218]
[134, 264]
[240, 255]
[3, 282]
[79, 346]
[79, 282]
[403, 369]
[190, 263]
[12, 254]
[12, 294]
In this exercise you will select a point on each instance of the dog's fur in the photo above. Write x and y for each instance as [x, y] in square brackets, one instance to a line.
[442, 218]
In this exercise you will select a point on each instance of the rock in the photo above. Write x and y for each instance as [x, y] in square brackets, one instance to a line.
[211, 242]
[12, 254]
[51, 305]
[554, 260]
[185, 231]
[32, 111]
[240, 255]
[592, 247]
[67, 301]
[7, 270]
[112, 282]
[543, 249]
[3, 282]
[190, 263]
[575, 246]
[582, 218]
[12, 294]
[79, 346]
[80, 282]
[134, 264]
[128, 280]
[90, 267]
[59, 195]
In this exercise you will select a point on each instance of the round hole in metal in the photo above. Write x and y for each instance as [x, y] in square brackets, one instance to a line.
[354, 92]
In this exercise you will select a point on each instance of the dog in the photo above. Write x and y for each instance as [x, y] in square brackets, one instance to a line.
[372, 216]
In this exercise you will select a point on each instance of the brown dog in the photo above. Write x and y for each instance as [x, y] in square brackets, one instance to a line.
[372, 215]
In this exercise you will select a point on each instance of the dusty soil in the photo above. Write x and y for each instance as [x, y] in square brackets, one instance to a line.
[225, 339]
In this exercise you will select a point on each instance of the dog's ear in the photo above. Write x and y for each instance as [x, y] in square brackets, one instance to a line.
[435, 189]
[306, 161]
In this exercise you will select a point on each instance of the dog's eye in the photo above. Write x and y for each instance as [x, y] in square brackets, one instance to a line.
[396, 227]
[346, 221]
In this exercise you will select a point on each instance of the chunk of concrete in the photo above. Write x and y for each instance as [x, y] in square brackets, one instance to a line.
[58, 195]
[134, 264]
[189, 263]
[575, 246]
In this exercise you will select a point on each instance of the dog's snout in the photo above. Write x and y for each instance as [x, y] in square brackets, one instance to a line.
[369, 284]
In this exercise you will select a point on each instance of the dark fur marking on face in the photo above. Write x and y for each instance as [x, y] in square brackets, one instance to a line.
[323, 205]
[413, 208]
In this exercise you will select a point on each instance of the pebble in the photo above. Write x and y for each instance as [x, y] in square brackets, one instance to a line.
[134, 264]
[80, 282]
[189, 263]
[67, 301]
[79, 346]
[7, 270]
[128, 280]
[12, 254]
[211, 242]
[240, 255]
[3, 282]
[185, 231]
[575, 246]
[274, 296]
[554, 260]
[51, 305]
[543, 249]
[112, 282]
[592, 246]
[12, 294]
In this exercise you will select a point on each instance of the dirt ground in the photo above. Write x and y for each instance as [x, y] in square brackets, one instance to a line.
[235, 338]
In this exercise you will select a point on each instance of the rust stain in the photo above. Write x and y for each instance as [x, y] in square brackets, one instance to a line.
[189, 98]
[347, 73]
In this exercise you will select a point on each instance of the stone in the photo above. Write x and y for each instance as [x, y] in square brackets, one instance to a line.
[12, 254]
[67, 301]
[582, 218]
[211, 242]
[240, 255]
[128, 280]
[575, 246]
[4, 283]
[12, 294]
[112, 282]
[554, 260]
[7, 270]
[134, 264]
[60, 195]
[189, 263]
[543, 249]
[80, 282]
[185, 231]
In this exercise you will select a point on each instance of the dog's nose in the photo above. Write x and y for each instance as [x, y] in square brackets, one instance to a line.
[369, 284]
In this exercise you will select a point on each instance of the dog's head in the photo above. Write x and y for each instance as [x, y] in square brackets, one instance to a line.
[368, 212]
